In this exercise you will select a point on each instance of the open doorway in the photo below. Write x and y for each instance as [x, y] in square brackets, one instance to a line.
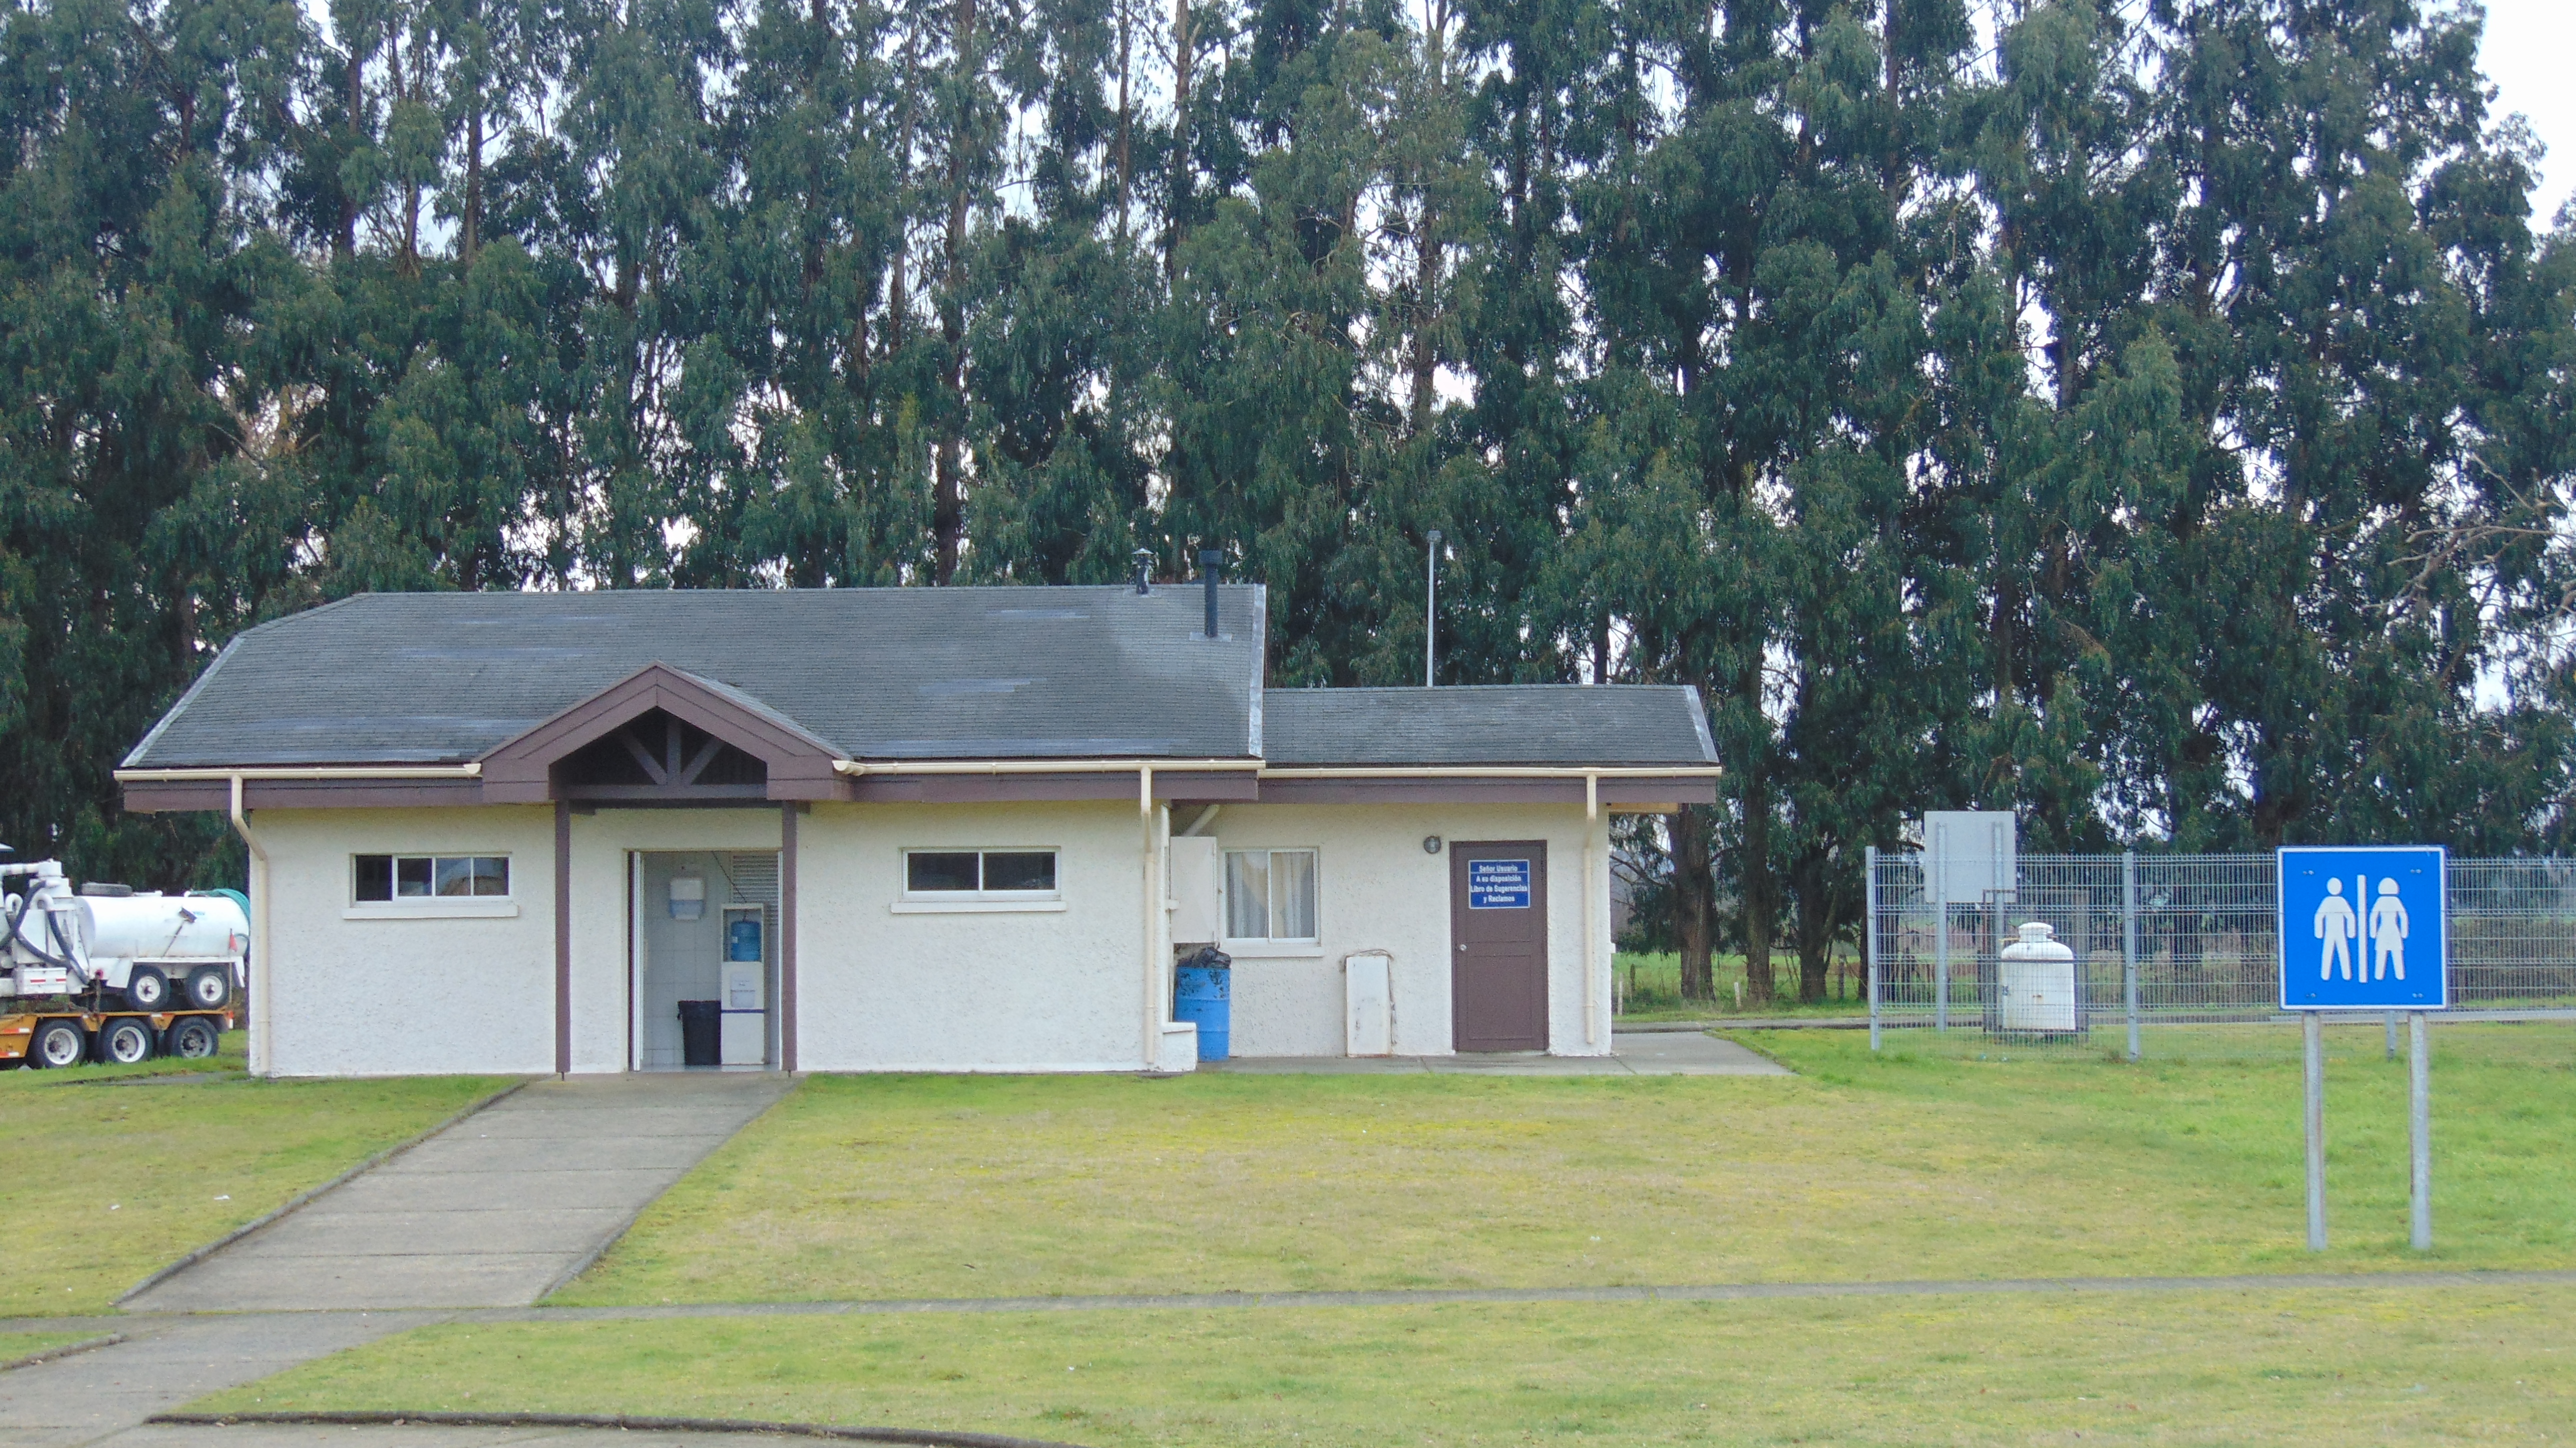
[704, 930]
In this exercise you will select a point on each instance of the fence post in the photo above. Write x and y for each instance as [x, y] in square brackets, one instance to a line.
[1940, 960]
[2392, 1035]
[2129, 943]
[1869, 934]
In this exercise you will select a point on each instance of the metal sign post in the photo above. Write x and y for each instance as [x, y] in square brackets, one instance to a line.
[2383, 948]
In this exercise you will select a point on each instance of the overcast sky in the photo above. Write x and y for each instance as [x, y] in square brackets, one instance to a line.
[2529, 46]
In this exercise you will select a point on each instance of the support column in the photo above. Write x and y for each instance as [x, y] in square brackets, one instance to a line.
[787, 935]
[563, 937]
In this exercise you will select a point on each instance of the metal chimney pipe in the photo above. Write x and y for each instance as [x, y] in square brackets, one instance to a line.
[1211, 562]
[1144, 569]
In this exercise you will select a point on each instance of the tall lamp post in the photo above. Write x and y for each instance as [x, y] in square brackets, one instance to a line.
[1431, 612]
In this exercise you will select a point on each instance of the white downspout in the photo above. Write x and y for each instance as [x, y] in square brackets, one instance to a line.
[259, 912]
[1591, 947]
[1150, 895]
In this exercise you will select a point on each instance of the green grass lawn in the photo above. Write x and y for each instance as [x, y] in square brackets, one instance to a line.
[2455, 1365]
[1925, 1162]
[114, 1180]
[1650, 987]
[16, 1345]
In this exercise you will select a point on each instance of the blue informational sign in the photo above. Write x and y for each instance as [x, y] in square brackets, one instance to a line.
[1498, 884]
[2363, 929]
[742, 938]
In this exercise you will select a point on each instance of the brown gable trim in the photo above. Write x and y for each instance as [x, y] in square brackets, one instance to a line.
[799, 764]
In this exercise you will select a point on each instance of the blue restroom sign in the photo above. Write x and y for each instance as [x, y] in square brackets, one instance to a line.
[2363, 929]
[1498, 884]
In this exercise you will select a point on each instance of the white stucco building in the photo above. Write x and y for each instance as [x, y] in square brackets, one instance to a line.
[919, 830]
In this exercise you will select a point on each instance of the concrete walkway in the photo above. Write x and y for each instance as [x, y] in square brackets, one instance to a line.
[495, 1211]
[99, 1397]
[1632, 1053]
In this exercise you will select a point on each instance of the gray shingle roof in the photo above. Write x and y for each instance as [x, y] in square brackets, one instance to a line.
[879, 673]
[1561, 724]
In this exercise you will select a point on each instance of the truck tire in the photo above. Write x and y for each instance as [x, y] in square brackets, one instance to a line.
[147, 989]
[193, 1038]
[125, 1040]
[57, 1044]
[210, 988]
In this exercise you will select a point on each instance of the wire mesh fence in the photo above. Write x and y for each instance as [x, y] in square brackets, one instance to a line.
[2192, 934]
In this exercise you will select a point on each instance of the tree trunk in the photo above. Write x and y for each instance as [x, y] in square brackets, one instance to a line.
[1693, 907]
[1753, 870]
[1177, 225]
[1817, 903]
[948, 501]
[472, 237]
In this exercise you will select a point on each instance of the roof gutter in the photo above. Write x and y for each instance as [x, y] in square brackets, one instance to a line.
[1499, 771]
[330, 771]
[855, 767]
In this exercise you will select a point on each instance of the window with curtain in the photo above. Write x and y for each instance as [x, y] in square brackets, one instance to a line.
[1270, 895]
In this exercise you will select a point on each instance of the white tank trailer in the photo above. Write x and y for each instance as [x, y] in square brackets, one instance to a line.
[155, 952]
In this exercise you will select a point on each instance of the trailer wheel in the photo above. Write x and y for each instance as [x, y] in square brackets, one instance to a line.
[209, 988]
[58, 1044]
[193, 1038]
[147, 989]
[125, 1040]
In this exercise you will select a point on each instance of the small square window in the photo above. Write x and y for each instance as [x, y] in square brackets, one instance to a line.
[411, 877]
[1270, 895]
[1019, 870]
[492, 875]
[375, 877]
[926, 872]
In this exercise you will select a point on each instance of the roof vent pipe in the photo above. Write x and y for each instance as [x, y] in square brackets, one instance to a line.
[1144, 570]
[1211, 562]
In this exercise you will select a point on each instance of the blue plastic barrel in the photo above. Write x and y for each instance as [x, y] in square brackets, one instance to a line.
[1200, 995]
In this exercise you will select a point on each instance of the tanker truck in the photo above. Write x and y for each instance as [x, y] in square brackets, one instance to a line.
[113, 974]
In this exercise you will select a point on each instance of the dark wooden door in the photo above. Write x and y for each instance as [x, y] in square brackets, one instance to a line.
[1498, 935]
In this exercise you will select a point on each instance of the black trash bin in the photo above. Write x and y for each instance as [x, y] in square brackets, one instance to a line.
[700, 1025]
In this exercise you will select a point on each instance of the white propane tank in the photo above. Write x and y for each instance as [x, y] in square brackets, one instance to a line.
[2038, 980]
[161, 927]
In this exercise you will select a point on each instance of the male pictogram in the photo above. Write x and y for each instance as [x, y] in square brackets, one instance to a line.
[2336, 926]
[2388, 926]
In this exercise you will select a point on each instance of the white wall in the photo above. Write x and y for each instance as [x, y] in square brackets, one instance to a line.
[383, 997]
[1049, 990]
[881, 989]
[1376, 889]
